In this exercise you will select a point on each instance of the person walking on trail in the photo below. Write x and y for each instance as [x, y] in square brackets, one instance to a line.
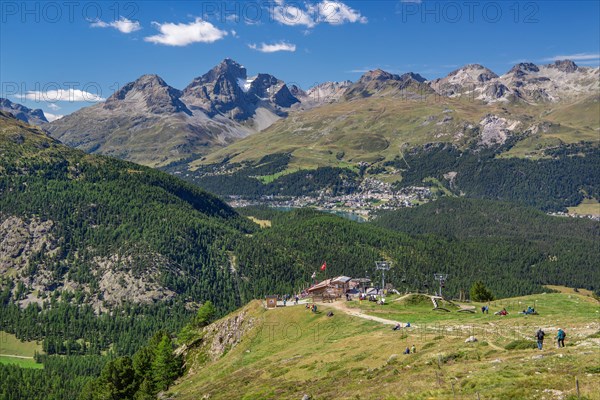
[560, 337]
[413, 349]
[540, 338]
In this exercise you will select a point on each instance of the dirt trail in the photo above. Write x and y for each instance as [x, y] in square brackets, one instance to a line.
[357, 313]
[16, 356]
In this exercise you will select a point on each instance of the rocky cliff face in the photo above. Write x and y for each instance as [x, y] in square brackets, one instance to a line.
[25, 114]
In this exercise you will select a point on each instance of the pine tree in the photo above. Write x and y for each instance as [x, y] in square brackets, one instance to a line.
[165, 367]
[479, 292]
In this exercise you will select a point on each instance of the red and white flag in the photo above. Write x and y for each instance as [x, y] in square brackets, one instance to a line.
[324, 266]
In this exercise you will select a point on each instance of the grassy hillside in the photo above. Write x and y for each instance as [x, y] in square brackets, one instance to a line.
[290, 352]
[375, 129]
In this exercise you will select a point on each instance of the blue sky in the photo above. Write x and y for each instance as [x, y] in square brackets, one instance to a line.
[61, 56]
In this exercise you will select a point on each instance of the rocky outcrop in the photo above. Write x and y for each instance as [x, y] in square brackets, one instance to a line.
[495, 130]
[29, 249]
[218, 338]
[21, 240]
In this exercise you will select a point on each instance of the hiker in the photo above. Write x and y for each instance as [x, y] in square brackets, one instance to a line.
[407, 351]
[296, 300]
[487, 309]
[540, 338]
[560, 337]
[397, 327]
[408, 324]
[284, 301]
[483, 309]
[314, 308]
[413, 349]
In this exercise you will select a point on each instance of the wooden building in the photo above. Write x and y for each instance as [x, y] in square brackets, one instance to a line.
[271, 301]
[330, 289]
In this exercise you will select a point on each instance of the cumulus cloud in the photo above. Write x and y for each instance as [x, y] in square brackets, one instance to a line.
[53, 106]
[123, 25]
[199, 31]
[327, 11]
[72, 95]
[575, 57]
[292, 15]
[272, 48]
[338, 13]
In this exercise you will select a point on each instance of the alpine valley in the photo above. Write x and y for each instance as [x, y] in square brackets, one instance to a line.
[386, 140]
[124, 275]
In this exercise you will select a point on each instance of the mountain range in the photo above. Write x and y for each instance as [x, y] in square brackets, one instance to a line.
[151, 123]
[22, 113]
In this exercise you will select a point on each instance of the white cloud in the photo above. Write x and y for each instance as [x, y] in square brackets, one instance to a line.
[292, 16]
[53, 106]
[199, 31]
[123, 25]
[411, 1]
[575, 57]
[275, 47]
[71, 95]
[337, 13]
[52, 117]
[327, 11]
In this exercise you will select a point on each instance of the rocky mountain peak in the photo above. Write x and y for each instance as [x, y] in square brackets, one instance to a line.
[148, 92]
[377, 75]
[412, 76]
[472, 72]
[227, 69]
[524, 68]
[564, 66]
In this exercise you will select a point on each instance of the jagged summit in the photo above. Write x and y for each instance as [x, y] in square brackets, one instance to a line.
[227, 69]
[564, 65]
[383, 83]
